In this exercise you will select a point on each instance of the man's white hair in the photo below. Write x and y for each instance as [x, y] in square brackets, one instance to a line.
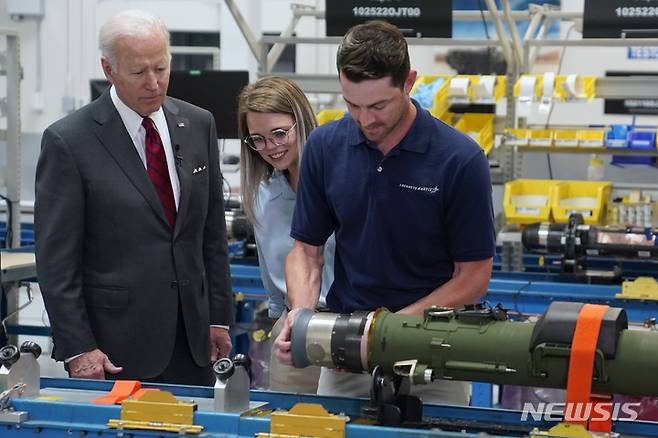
[130, 23]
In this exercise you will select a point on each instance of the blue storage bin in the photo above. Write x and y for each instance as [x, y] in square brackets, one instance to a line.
[638, 140]
[618, 160]
[617, 136]
[425, 93]
[642, 140]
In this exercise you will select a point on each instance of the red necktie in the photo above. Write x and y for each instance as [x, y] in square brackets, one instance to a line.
[156, 167]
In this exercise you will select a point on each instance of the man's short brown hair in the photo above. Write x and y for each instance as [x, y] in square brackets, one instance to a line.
[374, 50]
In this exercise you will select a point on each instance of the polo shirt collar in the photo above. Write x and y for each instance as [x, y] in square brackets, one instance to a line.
[278, 186]
[416, 140]
[419, 135]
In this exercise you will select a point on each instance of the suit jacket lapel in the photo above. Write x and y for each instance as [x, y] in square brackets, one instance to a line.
[112, 133]
[178, 130]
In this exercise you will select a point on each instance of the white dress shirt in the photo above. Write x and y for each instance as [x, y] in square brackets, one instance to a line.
[133, 123]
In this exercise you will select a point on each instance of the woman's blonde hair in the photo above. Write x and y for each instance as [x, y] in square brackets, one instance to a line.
[273, 94]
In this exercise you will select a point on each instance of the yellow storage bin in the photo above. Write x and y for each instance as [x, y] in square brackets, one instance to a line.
[517, 137]
[569, 87]
[566, 87]
[440, 104]
[476, 88]
[528, 200]
[499, 88]
[460, 88]
[565, 138]
[540, 137]
[328, 115]
[589, 198]
[591, 138]
[479, 127]
[539, 86]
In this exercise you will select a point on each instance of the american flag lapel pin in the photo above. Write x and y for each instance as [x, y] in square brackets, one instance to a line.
[181, 124]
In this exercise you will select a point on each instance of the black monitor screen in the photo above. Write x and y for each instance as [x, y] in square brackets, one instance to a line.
[217, 91]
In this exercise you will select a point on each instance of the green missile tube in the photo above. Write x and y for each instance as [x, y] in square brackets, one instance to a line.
[478, 345]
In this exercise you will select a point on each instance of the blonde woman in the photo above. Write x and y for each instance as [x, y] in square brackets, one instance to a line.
[274, 119]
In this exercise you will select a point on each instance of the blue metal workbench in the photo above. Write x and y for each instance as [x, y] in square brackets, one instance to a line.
[52, 418]
[522, 293]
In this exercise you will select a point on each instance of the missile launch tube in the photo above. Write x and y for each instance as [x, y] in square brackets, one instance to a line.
[477, 346]
[589, 240]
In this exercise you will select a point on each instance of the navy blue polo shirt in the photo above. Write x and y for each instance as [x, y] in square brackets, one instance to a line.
[401, 220]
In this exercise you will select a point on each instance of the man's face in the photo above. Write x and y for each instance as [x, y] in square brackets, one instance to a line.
[141, 72]
[376, 105]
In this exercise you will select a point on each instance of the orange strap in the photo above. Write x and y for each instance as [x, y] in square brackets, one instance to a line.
[581, 362]
[121, 390]
[599, 422]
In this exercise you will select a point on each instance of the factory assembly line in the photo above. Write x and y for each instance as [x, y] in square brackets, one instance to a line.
[474, 344]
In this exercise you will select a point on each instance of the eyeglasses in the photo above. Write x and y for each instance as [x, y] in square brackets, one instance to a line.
[279, 137]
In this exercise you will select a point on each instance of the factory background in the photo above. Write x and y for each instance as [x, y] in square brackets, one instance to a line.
[60, 56]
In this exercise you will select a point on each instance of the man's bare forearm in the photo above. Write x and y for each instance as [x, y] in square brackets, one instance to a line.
[468, 284]
[304, 275]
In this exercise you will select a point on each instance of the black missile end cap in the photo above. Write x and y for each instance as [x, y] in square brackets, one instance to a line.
[31, 347]
[530, 236]
[298, 338]
[9, 355]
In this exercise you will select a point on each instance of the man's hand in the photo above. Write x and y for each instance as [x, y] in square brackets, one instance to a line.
[92, 365]
[282, 342]
[220, 343]
[469, 283]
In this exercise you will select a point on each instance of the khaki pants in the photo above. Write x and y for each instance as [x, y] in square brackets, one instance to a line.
[291, 379]
[346, 384]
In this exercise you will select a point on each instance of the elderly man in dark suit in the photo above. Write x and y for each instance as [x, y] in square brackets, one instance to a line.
[131, 248]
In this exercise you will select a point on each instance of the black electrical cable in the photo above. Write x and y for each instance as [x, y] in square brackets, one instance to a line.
[550, 112]
[8, 233]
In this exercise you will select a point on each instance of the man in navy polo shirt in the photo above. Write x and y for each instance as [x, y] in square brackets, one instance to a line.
[408, 197]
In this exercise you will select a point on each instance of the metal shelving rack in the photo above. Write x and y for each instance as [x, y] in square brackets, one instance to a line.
[10, 108]
[606, 88]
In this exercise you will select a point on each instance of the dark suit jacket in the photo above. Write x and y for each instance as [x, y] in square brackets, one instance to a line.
[111, 270]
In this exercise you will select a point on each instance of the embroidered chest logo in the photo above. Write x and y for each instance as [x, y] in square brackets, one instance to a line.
[424, 189]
